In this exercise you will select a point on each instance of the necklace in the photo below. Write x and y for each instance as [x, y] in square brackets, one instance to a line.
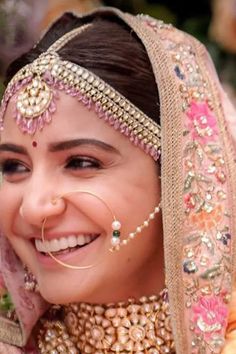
[134, 327]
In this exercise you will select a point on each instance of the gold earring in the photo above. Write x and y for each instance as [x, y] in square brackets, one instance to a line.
[30, 282]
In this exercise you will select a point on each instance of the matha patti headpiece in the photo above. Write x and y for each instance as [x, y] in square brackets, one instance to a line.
[37, 85]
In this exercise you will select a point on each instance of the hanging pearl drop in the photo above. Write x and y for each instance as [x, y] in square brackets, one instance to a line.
[116, 225]
[115, 241]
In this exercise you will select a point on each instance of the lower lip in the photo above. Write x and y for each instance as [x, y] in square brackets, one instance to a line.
[75, 258]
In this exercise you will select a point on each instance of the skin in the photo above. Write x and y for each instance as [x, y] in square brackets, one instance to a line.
[111, 168]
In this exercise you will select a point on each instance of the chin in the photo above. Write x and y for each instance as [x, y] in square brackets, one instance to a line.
[53, 296]
[64, 292]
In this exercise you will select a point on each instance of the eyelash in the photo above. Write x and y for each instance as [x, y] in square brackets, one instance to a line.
[10, 167]
[82, 162]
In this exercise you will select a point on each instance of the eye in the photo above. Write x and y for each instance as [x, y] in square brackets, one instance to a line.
[12, 170]
[10, 167]
[80, 162]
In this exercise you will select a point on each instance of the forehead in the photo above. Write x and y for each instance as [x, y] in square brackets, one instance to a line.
[71, 119]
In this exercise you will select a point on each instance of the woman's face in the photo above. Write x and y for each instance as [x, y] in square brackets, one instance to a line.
[78, 151]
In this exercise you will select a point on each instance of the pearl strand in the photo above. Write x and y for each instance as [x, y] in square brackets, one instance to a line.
[116, 226]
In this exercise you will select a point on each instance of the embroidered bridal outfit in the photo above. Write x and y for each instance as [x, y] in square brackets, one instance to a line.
[195, 144]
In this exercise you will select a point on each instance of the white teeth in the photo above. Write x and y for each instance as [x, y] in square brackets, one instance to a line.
[86, 239]
[81, 240]
[63, 243]
[38, 245]
[55, 246]
[72, 241]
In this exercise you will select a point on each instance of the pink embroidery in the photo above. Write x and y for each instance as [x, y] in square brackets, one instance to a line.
[202, 122]
[206, 243]
[209, 315]
[206, 247]
[189, 200]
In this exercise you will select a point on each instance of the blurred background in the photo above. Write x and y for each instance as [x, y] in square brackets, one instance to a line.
[213, 22]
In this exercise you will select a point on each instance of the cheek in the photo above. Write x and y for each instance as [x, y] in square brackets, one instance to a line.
[134, 201]
[9, 203]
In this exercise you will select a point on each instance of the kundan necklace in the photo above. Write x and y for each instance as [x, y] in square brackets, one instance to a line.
[134, 327]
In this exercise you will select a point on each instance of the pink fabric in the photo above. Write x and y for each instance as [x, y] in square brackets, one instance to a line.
[29, 306]
[9, 349]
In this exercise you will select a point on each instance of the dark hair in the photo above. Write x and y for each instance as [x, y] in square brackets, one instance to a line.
[109, 49]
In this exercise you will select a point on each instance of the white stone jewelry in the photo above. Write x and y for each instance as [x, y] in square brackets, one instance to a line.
[132, 327]
[117, 243]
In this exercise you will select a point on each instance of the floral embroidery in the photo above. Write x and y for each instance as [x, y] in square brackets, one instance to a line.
[179, 73]
[207, 224]
[224, 238]
[207, 240]
[209, 315]
[190, 267]
[202, 122]
[190, 200]
[206, 220]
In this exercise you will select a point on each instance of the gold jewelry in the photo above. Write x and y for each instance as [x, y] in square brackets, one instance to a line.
[134, 327]
[54, 201]
[116, 225]
[30, 282]
[38, 84]
[139, 229]
[116, 242]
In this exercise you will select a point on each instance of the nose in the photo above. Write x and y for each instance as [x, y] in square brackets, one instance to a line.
[38, 204]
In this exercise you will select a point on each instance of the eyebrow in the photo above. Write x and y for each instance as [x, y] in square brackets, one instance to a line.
[70, 144]
[13, 148]
[63, 145]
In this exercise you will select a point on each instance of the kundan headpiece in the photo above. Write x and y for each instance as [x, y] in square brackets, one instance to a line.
[198, 168]
[37, 84]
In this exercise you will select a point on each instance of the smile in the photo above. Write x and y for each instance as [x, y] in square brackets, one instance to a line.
[68, 243]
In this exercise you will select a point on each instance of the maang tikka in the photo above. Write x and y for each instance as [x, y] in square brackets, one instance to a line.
[36, 87]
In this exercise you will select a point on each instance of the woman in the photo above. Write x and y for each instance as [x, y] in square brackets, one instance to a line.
[118, 195]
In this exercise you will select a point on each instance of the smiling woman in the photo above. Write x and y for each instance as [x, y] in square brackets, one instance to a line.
[106, 178]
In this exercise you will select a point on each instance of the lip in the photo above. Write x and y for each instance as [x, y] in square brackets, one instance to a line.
[77, 257]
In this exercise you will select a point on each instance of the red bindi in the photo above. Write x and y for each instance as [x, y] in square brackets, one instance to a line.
[34, 143]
